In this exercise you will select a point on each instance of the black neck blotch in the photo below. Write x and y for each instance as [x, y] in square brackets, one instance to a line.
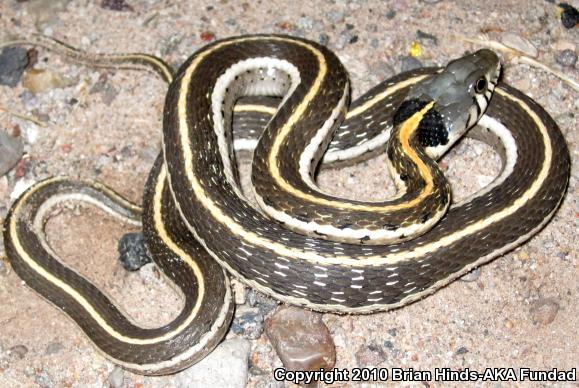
[431, 131]
[407, 109]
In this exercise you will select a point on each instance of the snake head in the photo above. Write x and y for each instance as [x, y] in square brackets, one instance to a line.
[461, 92]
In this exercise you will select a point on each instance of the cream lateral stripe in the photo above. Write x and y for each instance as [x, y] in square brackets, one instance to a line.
[126, 203]
[408, 127]
[56, 199]
[382, 235]
[282, 250]
[160, 227]
[217, 98]
[72, 292]
[308, 153]
[380, 96]
[190, 352]
[356, 111]
[255, 108]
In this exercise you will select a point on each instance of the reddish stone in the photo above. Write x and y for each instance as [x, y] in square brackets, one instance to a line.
[16, 131]
[301, 339]
[207, 36]
[21, 168]
[286, 26]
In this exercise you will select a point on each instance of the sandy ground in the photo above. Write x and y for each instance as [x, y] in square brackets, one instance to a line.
[112, 134]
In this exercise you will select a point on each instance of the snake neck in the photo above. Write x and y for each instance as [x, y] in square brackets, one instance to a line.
[430, 128]
[416, 126]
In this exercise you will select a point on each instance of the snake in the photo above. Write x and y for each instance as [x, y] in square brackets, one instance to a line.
[285, 101]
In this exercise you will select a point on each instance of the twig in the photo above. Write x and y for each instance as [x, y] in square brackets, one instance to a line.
[522, 57]
[23, 117]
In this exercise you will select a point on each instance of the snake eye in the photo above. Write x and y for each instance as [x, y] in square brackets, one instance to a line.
[480, 85]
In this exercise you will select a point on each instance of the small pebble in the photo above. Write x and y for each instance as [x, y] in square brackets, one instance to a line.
[43, 378]
[370, 355]
[53, 348]
[461, 350]
[13, 61]
[18, 351]
[11, 150]
[544, 311]
[408, 63]
[324, 39]
[424, 36]
[391, 14]
[343, 39]
[116, 377]
[305, 22]
[22, 167]
[569, 16]
[566, 58]
[133, 252]
[116, 5]
[472, 275]
[301, 339]
[335, 16]
[264, 303]
[207, 36]
[286, 26]
[248, 322]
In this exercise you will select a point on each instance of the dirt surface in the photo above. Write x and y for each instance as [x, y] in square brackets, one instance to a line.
[106, 126]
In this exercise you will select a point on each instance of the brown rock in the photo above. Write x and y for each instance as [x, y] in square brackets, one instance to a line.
[544, 311]
[301, 340]
[40, 80]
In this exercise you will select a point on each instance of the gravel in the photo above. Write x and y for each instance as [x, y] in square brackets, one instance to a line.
[13, 61]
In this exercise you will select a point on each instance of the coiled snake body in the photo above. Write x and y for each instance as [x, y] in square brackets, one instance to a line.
[302, 246]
